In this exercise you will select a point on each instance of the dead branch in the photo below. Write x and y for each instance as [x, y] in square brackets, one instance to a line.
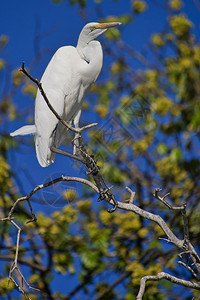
[190, 269]
[187, 245]
[163, 275]
[14, 266]
[125, 206]
[162, 199]
[41, 186]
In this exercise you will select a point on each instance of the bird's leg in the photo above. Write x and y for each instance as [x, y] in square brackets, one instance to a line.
[76, 144]
[107, 196]
[91, 165]
[55, 150]
[76, 140]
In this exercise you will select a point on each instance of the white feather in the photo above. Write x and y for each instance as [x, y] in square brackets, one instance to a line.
[65, 81]
[28, 129]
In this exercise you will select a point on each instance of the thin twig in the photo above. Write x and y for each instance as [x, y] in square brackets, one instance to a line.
[185, 226]
[56, 150]
[14, 266]
[132, 194]
[190, 269]
[162, 199]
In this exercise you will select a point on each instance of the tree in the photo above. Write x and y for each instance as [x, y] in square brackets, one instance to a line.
[149, 138]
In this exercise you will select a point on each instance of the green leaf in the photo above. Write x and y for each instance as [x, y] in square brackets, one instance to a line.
[176, 155]
[90, 259]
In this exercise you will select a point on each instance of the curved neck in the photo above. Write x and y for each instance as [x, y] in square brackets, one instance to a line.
[93, 55]
[80, 45]
[91, 52]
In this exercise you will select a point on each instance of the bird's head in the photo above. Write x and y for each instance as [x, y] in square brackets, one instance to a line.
[92, 30]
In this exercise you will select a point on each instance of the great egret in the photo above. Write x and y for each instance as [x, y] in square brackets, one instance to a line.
[65, 81]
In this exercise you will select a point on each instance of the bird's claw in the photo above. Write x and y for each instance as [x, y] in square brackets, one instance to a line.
[105, 193]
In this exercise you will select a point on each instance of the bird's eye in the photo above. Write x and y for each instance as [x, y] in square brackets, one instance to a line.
[92, 28]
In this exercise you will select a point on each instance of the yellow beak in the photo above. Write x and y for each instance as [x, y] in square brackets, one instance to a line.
[106, 25]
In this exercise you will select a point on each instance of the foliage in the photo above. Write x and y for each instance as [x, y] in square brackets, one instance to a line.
[139, 6]
[148, 137]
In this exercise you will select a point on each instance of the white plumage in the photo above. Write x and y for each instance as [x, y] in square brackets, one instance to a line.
[65, 81]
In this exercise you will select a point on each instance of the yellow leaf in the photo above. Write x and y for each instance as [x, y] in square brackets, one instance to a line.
[84, 206]
[142, 145]
[102, 110]
[139, 6]
[30, 89]
[106, 217]
[5, 288]
[162, 105]
[70, 194]
[2, 63]
[3, 40]
[180, 25]
[157, 40]
[125, 100]
[18, 77]
[175, 4]
[142, 232]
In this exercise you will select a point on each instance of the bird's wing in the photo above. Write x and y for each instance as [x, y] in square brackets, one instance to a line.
[56, 82]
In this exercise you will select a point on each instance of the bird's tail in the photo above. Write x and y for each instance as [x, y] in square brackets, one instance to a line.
[28, 129]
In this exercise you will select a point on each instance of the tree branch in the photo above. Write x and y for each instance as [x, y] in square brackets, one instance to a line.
[41, 186]
[14, 266]
[163, 275]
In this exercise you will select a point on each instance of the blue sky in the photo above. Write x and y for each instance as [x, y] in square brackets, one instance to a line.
[58, 25]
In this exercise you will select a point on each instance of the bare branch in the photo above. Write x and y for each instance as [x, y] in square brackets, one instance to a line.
[170, 235]
[132, 194]
[162, 199]
[163, 275]
[56, 150]
[125, 206]
[190, 269]
[155, 218]
[41, 186]
[15, 267]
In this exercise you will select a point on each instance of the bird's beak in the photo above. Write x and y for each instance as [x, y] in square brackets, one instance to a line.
[106, 25]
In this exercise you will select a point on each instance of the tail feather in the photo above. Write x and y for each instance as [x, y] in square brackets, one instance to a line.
[28, 129]
[44, 155]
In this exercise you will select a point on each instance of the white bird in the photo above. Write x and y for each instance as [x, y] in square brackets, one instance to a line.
[65, 81]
